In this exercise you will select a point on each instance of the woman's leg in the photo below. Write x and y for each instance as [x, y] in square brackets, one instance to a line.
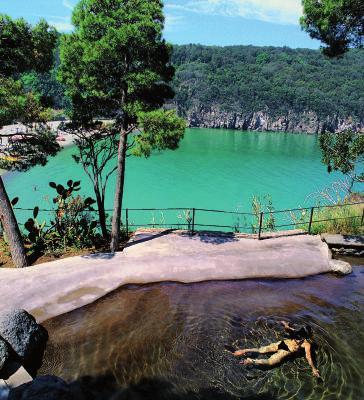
[271, 348]
[273, 360]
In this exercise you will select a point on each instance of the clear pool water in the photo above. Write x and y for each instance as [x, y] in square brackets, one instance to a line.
[166, 341]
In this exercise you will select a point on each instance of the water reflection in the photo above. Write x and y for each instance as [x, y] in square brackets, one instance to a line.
[167, 340]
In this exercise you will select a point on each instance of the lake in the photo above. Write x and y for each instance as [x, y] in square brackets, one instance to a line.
[215, 169]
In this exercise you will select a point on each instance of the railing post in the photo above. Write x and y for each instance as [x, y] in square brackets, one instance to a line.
[127, 220]
[362, 218]
[260, 225]
[193, 220]
[310, 223]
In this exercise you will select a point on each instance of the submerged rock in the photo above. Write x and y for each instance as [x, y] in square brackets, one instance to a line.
[4, 354]
[25, 336]
[4, 392]
[43, 388]
[341, 267]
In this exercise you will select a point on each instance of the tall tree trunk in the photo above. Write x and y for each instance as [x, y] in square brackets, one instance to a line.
[11, 229]
[101, 211]
[119, 192]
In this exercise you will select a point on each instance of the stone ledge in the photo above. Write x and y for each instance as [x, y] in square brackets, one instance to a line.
[344, 241]
[51, 289]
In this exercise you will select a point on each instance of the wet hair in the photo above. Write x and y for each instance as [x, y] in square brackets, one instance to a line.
[301, 332]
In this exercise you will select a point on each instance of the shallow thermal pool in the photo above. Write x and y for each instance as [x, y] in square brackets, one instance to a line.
[166, 341]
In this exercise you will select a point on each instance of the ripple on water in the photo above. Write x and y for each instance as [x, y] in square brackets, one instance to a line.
[172, 337]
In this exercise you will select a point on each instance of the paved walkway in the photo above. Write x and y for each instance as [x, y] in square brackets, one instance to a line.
[55, 288]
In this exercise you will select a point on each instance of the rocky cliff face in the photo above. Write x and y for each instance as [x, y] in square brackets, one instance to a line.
[305, 122]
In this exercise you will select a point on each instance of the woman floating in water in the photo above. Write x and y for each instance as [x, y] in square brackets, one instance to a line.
[298, 340]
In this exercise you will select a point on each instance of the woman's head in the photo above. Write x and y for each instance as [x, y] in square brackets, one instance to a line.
[301, 332]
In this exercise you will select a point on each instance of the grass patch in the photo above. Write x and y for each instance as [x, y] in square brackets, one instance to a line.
[40, 257]
[344, 219]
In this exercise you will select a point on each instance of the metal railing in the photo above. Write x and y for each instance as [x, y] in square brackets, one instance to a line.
[200, 219]
[255, 223]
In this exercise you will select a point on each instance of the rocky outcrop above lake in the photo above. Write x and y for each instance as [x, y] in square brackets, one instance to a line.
[305, 122]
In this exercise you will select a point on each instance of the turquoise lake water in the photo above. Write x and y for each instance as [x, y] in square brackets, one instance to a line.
[214, 169]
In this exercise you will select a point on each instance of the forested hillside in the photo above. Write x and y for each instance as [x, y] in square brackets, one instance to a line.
[250, 87]
[257, 88]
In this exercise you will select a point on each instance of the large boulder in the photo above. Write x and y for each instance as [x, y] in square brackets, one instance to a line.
[43, 388]
[25, 336]
[4, 354]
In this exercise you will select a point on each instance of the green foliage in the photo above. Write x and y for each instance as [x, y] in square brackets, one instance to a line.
[18, 105]
[11, 100]
[23, 47]
[116, 62]
[72, 227]
[37, 234]
[263, 205]
[246, 79]
[341, 220]
[159, 130]
[339, 24]
[344, 153]
[73, 223]
[49, 90]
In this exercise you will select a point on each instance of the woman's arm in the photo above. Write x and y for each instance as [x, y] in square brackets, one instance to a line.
[286, 326]
[307, 346]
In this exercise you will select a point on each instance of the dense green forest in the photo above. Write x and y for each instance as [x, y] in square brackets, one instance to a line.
[244, 79]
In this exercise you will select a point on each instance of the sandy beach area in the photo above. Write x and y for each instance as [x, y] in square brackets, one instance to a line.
[67, 139]
[19, 128]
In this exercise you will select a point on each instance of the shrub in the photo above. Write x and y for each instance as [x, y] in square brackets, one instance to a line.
[71, 225]
[265, 205]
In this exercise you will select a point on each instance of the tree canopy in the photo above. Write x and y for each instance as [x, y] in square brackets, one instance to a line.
[22, 48]
[344, 153]
[339, 24]
[116, 64]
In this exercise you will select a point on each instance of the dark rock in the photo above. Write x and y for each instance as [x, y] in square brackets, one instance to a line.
[43, 388]
[25, 336]
[4, 354]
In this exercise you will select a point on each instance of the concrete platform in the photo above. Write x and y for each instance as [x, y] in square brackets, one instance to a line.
[51, 289]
